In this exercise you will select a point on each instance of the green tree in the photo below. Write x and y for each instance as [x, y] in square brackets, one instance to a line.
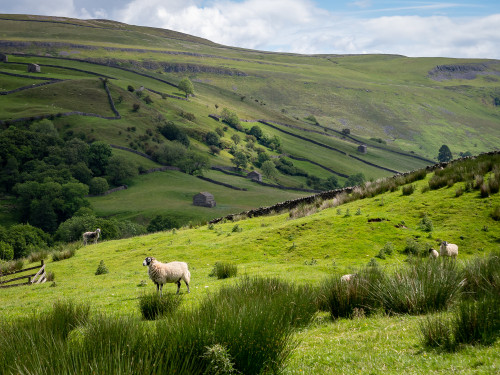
[162, 222]
[98, 186]
[231, 119]
[120, 170]
[186, 86]
[99, 154]
[236, 138]
[6, 251]
[239, 159]
[444, 154]
[194, 163]
[170, 153]
[256, 131]
[42, 215]
[173, 133]
[269, 170]
[44, 126]
[355, 179]
[212, 139]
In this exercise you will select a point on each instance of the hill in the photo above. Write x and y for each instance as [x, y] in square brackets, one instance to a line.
[306, 245]
[315, 109]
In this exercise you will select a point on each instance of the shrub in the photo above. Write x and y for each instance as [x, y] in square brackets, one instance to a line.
[6, 251]
[224, 270]
[408, 189]
[342, 299]
[413, 248]
[495, 214]
[219, 361]
[63, 254]
[459, 192]
[423, 286]
[101, 269]
[493, 183]
[11, 266]
[98, 186]
[426, 224]
[38, 256]
[484, 191]
[154, 306]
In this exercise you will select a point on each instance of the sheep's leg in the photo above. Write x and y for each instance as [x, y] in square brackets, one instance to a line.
[178, 282]
[157, 287]
[186, 285]
[161, 290]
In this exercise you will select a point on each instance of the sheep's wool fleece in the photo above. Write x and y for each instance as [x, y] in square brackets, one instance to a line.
[168, 272]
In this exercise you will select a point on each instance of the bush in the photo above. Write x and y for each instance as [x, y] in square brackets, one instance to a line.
[426, 224]
[98, 186]
[495, 214]
[413, 248]
[422, 287]
[408, 189]
[162, 222]
[101, 269]
[38, 256]
[6, 251]
[219, 361]
[154, 306]
[224, 270]
[63, 254]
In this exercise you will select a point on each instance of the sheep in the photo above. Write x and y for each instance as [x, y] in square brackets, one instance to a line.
[348, 277]
[433, 254]
[448, 249]
[173, 272]
[91, 236]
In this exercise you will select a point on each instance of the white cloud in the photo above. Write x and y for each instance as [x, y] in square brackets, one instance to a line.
[300, 26]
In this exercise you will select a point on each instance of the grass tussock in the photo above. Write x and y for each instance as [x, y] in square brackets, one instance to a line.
[223, 270]
[154, 306]
[11, 266]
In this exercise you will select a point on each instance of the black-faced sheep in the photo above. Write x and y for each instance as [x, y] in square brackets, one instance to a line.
[162, 273]
[433, 253]
[448, 249]
[91, 236]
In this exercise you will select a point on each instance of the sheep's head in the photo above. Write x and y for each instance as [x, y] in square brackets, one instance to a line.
[98, 230]
[444, 243]
[148, 261]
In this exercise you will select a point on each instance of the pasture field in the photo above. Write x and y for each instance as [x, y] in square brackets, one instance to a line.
[303, 250]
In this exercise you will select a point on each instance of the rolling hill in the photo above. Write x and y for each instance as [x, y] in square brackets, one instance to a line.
[319, 107]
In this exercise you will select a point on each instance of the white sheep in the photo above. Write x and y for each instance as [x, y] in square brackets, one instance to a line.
[448, 249]
[348, 277]
[162, 273]
[433, 254]
[91, 236]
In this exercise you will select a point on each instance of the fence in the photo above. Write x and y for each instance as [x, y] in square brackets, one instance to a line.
[35, 278]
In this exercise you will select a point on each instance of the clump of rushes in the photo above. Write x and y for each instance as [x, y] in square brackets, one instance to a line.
[154, 306]
[224, 270]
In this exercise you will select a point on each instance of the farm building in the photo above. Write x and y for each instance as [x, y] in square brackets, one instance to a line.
[204, 199]
[362, 149]
[3, 57]
[33, 68]
[254, 175]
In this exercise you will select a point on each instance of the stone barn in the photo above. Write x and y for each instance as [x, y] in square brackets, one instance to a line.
[255, 176]
[204, 199]
[33, 68]
[363, 149]
[3, 57]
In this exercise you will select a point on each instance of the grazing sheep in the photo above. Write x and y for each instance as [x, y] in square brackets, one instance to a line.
[348, 277]
[433, 253]
[162, 273]
[91, 236]
[448, 249]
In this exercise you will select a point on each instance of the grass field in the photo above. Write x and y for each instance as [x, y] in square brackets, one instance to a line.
[302, 250]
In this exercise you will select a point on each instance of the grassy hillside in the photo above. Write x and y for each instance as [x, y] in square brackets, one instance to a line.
[403, 108]
[303, 246]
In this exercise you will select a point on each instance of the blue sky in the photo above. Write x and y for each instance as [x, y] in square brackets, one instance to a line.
[457, 28]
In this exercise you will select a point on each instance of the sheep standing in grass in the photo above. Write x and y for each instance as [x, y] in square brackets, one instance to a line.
[91, 236]
[162, 273]
[448, 249]
[433, 254]
[348, 277]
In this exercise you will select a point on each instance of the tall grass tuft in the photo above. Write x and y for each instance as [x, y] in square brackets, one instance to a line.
[423, 286]
[482, 276]
[346, 299]
[154, 306]
[224, 270]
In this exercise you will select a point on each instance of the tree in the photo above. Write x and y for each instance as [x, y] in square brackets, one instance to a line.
[162, 222]
[194, 163]
[236, 138]
[256, 131]
[212, 139]
[269, 170]
[355, 179]
[173, 133]
[186, 86]
[170, 153]
[444, 154]
[99, 154]
[120, 169]
[239, 159]
[231, 119]
[98, 186]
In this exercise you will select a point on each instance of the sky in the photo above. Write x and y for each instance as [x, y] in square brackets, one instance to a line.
[460, 28]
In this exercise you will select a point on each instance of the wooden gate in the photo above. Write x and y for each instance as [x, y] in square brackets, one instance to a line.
[34, 278]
